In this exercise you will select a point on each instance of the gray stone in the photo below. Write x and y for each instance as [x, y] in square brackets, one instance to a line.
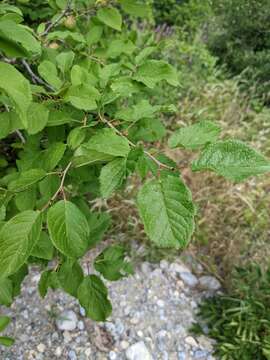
[138, 351]
[67, 321]
[189, 279]
[72, 355]
[200, 354]
[209, 283]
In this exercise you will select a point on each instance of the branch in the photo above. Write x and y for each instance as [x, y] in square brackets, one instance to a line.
[36, 79]
[160, 164]
[60, 17]
[60, 189]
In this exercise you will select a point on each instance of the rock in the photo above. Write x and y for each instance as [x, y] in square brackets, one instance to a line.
[58, 351]
[209, 283]
[124, 345]
[200, 354]
[189, 279]
[181, 355]
[80, 325]
[138, 351]
[67, 321]
[189, 340]
[72, 355]
[82, 311]
[178, 268]
[41, 348]
[112, 355]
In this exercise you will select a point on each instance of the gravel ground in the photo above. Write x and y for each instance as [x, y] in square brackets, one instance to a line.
[152, 314]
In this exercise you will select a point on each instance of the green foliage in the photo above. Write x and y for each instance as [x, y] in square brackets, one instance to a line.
[240, 321]
[75, 125]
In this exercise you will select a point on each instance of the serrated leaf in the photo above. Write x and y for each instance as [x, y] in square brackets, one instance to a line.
[112, 176]
[143, 55]
[6, 341]
[17, 238]
[37, 118]
[83, 97]
[195, 136]
[4, 321]
[70, 276]
[153, 71]
[110, 17]
[17, 41]
[43, 248]
[148, 130]
[136, 8]
[68, 229]
[64, 61]
[111, 263]
[52, 156]
[26, 179]
[48, 72]
[17, 87]
[6, 292]
[166, 208]
[232, 159]
[93, 297]
[76, 137]
[139, 111]
[98, 224]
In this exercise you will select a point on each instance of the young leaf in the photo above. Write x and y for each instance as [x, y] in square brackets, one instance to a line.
[139, 111]
[68, 228]
[6, 341]
[4, 321]
[17, 87]
[70, 276]
[111, 263]
[195, 136]
[93, 297]
[26, 179]
[83, 97]
[112, 176]
[48, 71]
[232, 159]
[166, 208]
[64, 61]
[153, 71]
[110, 17]
[17, 239]
[37, 118]
[43, 248]
[76, 137]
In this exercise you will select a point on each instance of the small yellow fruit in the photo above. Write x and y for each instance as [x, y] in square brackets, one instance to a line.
[70, 22]
[54, 45]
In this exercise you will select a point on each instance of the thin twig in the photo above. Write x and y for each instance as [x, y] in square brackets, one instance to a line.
[160, 164]
[60, 189]
[60, 17]
[36, 79]
[20, 135]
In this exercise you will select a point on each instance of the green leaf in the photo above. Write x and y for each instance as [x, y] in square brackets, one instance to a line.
[37, 118]
[18, 278]
[148, 130]
[43, 248]
[136, 8]
[76, 137]
[17, 41]
[112, 176]
[66, 35]
[52, 156]
[48, 72]
[47, 280]
[195, 136]
[9, 122]
[17, 238]
[153, 71]
[70, 276]
[68, 228]
[110, 17]
[166, 208]
[26, 179]
[111, 263]
[232, 159]
[64, 61]
[102, 147]
[6, 292]
[94, 34]
[4, 321]
[17, 87]
[6, 341]
[99, 223]
[83, 97]
[93, 297]
[26, 200]
[139, 111]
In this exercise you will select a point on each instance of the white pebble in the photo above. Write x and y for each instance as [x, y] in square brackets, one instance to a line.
[138, 351]
[41, 348]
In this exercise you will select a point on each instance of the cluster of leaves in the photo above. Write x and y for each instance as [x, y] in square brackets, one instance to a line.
[77, 118]
[240, 322]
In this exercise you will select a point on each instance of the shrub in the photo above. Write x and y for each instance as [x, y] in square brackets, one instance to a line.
[78, 117]
[240, 321]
